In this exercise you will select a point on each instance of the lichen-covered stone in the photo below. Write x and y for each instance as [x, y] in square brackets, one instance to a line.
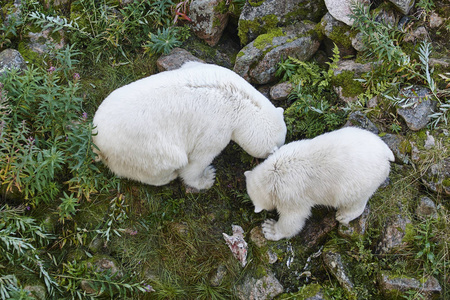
[420, 107]
[356, 227]
[342, 9]
[399, 146]
[437, 177]
[11, 59]
[396, 286]
[359, 119]
[403, 5]
[335, 265]
[269, 14]
[208, 23]
[426, 208]
[175, 59]
[265, 287]
[257, 62]
[337, 33]
[281, 91]
[393, 233]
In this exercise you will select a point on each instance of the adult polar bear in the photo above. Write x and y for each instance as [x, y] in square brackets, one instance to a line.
[176, 122]
[342, 169]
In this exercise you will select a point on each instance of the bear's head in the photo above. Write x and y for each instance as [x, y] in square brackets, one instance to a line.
[258, 192]
[262, 132]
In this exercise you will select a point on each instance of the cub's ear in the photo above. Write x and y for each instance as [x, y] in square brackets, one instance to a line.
[280, 109]
[246, 173]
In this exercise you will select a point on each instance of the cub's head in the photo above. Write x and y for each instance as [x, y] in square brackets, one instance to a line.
[262, 133]
[258, 192]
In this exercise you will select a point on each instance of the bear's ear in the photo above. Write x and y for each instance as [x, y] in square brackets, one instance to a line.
[246, 173]
[280, 109]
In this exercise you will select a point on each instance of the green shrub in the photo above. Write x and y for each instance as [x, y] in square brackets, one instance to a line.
[314, 110]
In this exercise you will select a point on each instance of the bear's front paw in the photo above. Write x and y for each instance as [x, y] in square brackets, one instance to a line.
[269, 230]
[207, 179]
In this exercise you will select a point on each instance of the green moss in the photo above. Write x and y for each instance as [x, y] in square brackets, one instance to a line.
[261, 26]
[28, 54]
[255, 3]
[264, 40]
[350, 87]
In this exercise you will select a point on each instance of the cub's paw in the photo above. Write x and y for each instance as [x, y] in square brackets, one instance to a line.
[343, 218]
[269, 230]
[206, 180]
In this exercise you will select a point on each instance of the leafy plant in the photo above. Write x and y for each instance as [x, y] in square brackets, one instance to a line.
[163, 41]
[312, 111]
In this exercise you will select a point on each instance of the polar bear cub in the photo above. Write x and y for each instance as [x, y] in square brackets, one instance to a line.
[176, 122]
[341, 169]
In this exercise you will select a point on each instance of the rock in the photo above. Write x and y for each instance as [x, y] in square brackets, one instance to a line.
[343, 81]
[11, 59]
[217, 277]
[420, 33]
[393, 233]
[261, 17]
[281, 91]
[175, 59]
[103, 263]
[420, 107]
[39, 41]
[357, 226]
[341, 9]
[403, 5]
[385, 15]
[396, 286]
[317, 229]
[435, 20]
[308, 292]
[257, 62]
[36, 291]
[399, 146]
[357, 42]
[266, 287]
[337, 33]
[97, 244]
[257, 237]
[426, 208]
[208, 23]
[429, 142]
[437, 177]
[359, 119]
[333, 262]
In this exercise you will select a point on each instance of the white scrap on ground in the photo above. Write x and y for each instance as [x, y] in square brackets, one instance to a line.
[237, 244]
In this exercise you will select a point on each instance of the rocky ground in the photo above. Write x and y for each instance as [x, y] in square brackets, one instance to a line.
[173, 240]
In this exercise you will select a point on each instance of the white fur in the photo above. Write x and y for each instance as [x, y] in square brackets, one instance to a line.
[176, 122]
[341, 169]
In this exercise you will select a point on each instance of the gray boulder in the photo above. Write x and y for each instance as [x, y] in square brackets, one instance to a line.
[396, 286]
[259, 17]
[333, 262]
[341, 9]
[11, 59]
[426, 208]
[437, 177]
[266, 287]
[393, 233]
[337, 33]
[175, 59]
[257, 62]
[208, 22]
[416, 112]
[281, 91]
[404, 6]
